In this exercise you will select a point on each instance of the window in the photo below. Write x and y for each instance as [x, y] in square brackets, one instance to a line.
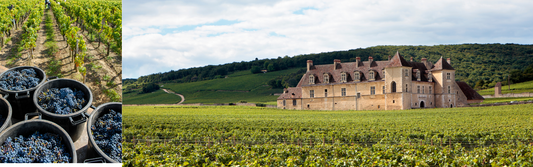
[383, 74]
[371, 77]
[449, 90]
[448, 76]
[326, 78]
[372, 90]
[406, 72]
[423, 89]
[383, 89]
[343, 91]
[418, 76]
[312, 93]
[283, 102]
[393, 86]
[357, 76]
[311, 79]
[430, 77]
[418, 89]
[406, 88]
[358, 95]
[343, 77]
[430, 90]
[325, 93]
[294, 102]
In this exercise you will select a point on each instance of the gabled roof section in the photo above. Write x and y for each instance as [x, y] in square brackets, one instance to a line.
[470, 93]
[398, 61]
[291, 93]
[442, 65]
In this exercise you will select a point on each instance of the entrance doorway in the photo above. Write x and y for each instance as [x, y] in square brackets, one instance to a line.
[422, 104]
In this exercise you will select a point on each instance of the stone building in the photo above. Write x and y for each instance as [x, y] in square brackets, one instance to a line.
[378, 85]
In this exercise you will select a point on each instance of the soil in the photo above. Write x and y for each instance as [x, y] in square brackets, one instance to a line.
[112, 66]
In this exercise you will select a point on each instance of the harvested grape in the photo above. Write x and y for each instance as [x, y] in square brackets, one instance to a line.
[36, 148]
[19, 80]
[61, 101]
[107, 133]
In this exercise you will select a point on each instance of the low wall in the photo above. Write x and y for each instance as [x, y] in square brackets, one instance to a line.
[201, 104]
[525, 94]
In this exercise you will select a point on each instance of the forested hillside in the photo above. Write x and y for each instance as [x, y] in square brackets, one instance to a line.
[473, 62]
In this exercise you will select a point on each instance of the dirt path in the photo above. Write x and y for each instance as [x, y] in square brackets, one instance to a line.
[182, 97]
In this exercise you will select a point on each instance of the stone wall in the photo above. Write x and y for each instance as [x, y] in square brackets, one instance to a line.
[525, 94]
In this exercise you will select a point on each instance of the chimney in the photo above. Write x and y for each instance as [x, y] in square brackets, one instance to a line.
[425, 62]
[370, 59]
[389, 58]
[449, 61]
[411, 59]
[335, 63]
[357, 60]
[309, 64]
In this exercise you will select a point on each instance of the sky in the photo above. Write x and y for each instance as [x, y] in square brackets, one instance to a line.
[161, 35]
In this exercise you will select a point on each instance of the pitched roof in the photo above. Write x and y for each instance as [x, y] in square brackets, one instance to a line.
[291, 93]
[470, 93]
[442, 65]
[398, 61]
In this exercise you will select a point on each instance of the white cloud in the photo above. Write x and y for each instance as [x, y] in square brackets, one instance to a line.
[168, 35]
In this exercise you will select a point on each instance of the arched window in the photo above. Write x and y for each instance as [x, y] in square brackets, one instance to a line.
[326, 78]
[357, 76]
[393, 86]
[311, 79]
[343, 77]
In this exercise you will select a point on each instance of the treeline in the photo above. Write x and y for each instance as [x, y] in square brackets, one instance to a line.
[289, 80]
[473, 62]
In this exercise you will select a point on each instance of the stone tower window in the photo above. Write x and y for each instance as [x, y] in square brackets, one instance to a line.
[343, 77]
[448, 76]
[311, 79]
[393, 87]
[326, 78]
[357, 76]
[430, 90]
[406, 88]
[406, 72]
[418, 89]
[371, 77]
[423, 89]
[449, 89]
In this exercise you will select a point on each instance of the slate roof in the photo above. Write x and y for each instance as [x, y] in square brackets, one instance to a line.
[442, 65]
[470, 93]
[398, 61]
[291, 93]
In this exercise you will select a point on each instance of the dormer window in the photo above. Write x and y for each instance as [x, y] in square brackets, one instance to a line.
[371, 75]
[311, 79]
[383, 76]
[357, 76]
[430, 78]
[343, 77]
[418, 75]
[326, 78]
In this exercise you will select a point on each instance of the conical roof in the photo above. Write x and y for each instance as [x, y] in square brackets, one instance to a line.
[442, 65]
[398, 61]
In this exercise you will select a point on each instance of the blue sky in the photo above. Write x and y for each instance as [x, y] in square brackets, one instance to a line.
[160, 36]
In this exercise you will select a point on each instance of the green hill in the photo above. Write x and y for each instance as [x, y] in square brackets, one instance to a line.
[241, 85]
[157, 97]
[515, 88]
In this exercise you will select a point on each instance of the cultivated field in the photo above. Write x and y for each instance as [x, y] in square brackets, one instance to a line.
[253, 136]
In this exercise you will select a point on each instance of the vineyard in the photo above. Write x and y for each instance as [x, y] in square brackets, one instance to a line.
[74, 39]
[254, 136]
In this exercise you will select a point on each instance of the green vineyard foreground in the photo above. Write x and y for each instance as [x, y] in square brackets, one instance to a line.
[253, 136]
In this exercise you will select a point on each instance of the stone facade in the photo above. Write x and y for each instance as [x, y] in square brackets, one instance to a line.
[377, 85]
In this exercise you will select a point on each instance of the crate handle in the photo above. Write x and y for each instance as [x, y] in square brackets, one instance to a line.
[95, 160]
[77, 122]
[32, 114]
[23, 96]
[6, 95]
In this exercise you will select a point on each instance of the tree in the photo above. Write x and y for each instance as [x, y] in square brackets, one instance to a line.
[255, 70]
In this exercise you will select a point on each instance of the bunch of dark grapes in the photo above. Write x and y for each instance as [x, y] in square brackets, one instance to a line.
[15, 80]
[37, 148]
[107, 133]
[61, 101]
